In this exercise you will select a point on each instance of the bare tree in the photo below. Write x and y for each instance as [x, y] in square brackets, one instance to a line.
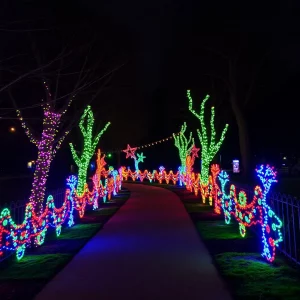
[55, 105]
[238, 97]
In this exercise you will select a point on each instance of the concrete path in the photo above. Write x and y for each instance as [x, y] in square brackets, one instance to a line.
[149, 250]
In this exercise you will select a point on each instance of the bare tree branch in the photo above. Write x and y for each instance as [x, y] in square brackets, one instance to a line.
[11, 57]
[57, 78]
[254, 79]
[80, 89]
[79, 80]
[21, 77]
[218, 53]
[26, 30]
[77, 116]
[222, 78]
[28, 130]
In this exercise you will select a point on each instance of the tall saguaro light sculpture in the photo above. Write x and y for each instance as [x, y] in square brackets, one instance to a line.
[209, 146]
[183, 144]
[184, 147]
[89, 146]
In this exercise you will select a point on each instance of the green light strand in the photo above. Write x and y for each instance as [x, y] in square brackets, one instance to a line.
[209, 148]
[183, 144]
[89, 146]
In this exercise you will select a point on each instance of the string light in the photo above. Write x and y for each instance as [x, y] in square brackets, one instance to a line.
[89, 145]
[209, 147]
[190, 179]
[257, 212]
[59, 142]
[157, 142]
[146, 145]
[15, 237]
[267, 176]
[32, 139]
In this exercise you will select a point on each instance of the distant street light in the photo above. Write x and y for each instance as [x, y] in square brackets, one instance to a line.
[12, 129]
[30, 164]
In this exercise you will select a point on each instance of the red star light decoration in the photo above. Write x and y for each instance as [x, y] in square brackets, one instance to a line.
[194, 152]
[130, 152]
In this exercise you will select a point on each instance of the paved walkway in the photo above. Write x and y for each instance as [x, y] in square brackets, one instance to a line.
[149, 250]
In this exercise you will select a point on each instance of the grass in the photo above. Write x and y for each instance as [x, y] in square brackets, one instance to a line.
[35, 267]
[29, 267]
[80, 231]
[212, 230]
[196, 207]
[251, 277]
[23, 279]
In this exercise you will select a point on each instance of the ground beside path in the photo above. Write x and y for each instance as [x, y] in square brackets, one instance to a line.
[148, 250]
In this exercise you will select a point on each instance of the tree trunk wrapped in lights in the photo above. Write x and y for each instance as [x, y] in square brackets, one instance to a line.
[184, 145]
[47, 146]
[89, 146]
[209, 146]
[55, 129]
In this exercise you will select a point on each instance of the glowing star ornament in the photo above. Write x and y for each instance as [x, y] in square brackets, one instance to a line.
[194, 152]
[183, 144]
[130, 152]
[89, 145]
[141, 157]
[209, 146]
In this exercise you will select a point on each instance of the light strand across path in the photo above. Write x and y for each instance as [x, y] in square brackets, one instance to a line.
[146, 145]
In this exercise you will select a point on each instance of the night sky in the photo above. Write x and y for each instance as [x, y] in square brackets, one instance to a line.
[166, 47]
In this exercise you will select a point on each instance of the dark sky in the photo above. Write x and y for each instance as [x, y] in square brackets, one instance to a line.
[164, 47]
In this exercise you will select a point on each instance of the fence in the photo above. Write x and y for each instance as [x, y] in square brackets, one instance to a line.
[287, 208]
[17, 208]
